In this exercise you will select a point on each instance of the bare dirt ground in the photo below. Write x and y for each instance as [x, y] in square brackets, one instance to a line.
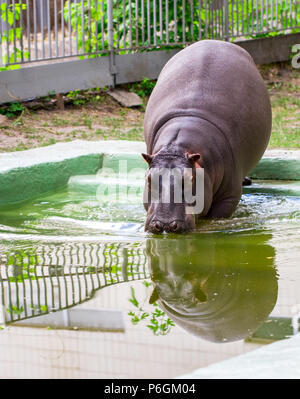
[94, 115]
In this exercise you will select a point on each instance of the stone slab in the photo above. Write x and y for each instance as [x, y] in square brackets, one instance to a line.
[127, 99]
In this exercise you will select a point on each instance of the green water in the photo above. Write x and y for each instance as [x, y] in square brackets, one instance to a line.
[221, 283]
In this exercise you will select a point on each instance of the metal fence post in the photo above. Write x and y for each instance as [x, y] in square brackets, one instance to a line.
[110, 27]
[226, 22]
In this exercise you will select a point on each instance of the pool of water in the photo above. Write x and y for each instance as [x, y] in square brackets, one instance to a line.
[231, 281]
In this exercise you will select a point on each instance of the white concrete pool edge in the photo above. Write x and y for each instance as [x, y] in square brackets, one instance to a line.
[278, 360]
[66, 150]
[27, 174]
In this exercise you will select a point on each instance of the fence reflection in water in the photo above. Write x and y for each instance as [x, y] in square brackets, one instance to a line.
[49, 278]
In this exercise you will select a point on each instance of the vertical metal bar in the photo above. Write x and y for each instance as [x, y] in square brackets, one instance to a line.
[70, 27]
[55, 28]
[148, 23]
[49, 28]
[199, 20]
[267, 14]
[1, 55]
[272, 26]
[252, 17]
[124, 25]
[226, 16]
[242, 16]
[96, 25]
[89, 27]
[110, 28]
[237, 18]
[7, 35]
[261, 15]
[21, 30]
[247, 15]
[14, 30]
[154, 22]
[167, 21]
[192, 19]
[62, 27]
[102, 26]
[34, 28]
[130, 25]
[183, 21]
[137, 23]
[257, 16]
[82, 26]
[175, 21]
[28, 28]
[41, 4]
[205, 19]
[160, 20]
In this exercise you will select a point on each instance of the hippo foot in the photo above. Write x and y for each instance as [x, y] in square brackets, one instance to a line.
[247, 181]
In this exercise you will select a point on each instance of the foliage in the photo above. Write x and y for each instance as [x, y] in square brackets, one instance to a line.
[143, 88]
[76, 97]
[10, 13]
[159, 323]
[85, 20]
[12, 109]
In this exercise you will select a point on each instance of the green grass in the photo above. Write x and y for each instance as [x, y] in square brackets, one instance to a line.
[286, 122]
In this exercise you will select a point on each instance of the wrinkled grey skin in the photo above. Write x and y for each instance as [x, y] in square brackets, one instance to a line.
[209, 100]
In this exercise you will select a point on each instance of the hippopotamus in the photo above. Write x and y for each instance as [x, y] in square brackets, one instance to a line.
[217, 288]
[210, 109]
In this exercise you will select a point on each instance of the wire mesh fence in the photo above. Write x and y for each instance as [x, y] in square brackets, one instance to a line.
[49, 278]
[41, 30]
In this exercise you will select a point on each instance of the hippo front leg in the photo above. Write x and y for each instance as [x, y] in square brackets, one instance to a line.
[223, 208]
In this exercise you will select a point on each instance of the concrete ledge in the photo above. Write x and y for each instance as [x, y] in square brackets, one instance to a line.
[271, 49]
[279, 360]
[27, 174]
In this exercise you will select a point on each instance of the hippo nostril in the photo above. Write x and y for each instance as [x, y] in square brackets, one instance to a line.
[174, 226]
[158, 227]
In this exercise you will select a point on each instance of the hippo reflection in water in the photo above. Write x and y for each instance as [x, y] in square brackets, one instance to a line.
[218, 288]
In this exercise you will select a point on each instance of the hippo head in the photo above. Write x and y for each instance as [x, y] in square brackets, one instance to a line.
[170, 176]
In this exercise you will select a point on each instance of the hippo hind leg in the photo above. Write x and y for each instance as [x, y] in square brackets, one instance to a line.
[247, 181]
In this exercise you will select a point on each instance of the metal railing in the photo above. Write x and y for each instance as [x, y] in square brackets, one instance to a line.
[47, 279]
[43, 30]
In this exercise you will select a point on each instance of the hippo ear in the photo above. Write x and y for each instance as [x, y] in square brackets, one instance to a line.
[195, 158]
[200, 294]
[148, 158]
[154, 296]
